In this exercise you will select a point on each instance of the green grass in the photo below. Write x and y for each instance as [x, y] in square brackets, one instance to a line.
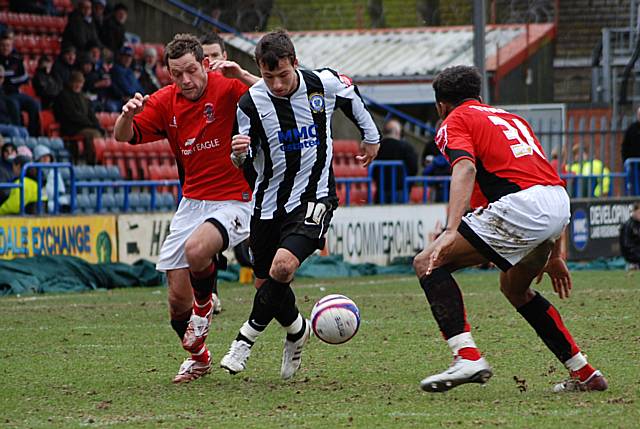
[107, 359]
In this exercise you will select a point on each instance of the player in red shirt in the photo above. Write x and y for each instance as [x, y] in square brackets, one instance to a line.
[498, 167]
[197, 115]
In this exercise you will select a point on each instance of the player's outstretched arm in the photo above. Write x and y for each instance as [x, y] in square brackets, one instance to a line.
[232, 70]
[123, 129]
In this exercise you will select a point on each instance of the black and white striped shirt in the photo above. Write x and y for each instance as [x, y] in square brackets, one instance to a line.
[291, 142]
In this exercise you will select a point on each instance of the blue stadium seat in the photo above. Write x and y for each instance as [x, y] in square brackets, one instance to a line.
[18, 141]
[114, 173]
[101, 173]
[32, 142]
[145, 202]
[56, 143]
[109, 203]
[134, 202]
[83, 203]
[168, 201]
[44, 141]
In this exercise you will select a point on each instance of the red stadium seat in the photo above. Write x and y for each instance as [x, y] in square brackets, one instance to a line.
[48, 124]
[348, 147]
[417, 194]
[99, 148]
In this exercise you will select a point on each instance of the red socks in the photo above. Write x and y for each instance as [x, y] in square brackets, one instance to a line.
[469, 353]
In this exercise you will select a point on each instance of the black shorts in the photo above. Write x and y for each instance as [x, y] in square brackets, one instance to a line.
[301, 232]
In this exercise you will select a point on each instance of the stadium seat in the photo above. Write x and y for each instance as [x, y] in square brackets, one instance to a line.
[83, 203]
[109, 204]
[48, 124]
[101, 173]
[346, 147]
[145, 201]
[114, 173]
[134, 202]
[32, 142]
[417, 194]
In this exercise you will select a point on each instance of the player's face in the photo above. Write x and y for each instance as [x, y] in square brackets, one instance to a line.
[214, 52]
[189, 75]
[282, 80]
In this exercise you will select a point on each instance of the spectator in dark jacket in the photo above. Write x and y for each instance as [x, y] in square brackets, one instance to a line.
[8, 113]
[45, 83]
[148, 75]
[630, 238]
[113, 30]
[80, 31]
[74, 112]
[9, 151]
[65, 64]
[14, 76]
[125, 84]
[393, 148]
[99, 15]
[631, 141]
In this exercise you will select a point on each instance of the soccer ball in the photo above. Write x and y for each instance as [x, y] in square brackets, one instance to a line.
[335, 319]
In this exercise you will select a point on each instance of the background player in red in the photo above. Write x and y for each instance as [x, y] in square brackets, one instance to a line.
[197, 115]
[497, 165]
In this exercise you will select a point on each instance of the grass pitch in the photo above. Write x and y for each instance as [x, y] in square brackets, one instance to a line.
[107, 359]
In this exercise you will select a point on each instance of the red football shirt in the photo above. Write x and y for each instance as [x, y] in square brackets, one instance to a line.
[507, 154]
[200, 136]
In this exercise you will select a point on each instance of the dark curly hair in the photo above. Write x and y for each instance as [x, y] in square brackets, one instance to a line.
[212, 38]
[183, 44]
[273, 47]
[457, 83]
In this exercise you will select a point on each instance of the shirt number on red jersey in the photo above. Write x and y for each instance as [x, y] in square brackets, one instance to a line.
[526, 145]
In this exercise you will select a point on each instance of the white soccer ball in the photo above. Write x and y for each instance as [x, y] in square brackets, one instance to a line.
[335, 319]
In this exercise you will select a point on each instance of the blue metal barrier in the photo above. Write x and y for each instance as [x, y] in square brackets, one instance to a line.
[632, 172]
[347, 181]
[426, 181]
[40, 166]
[576, 184]
[392, 167]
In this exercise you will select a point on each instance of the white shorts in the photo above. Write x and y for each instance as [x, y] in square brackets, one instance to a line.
[230, 216]
[510, 228]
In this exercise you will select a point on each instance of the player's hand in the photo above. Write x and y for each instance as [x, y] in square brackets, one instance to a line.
[442, 247]
[134, 105]
[228, 69]
[368, 153]
[560, 277]
[240, 145]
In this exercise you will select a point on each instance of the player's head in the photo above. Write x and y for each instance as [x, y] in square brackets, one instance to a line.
[187, 65]
[213, 47]
[276, 59]
[454, 85]
[636, 211]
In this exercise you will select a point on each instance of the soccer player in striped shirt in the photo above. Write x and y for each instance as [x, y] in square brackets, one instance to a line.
[499, 168]
[285, 129]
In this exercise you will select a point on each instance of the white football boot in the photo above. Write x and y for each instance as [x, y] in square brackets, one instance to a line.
[460, 372]
[292, 353]
[235, 360]
[192, 370]
[216, 303]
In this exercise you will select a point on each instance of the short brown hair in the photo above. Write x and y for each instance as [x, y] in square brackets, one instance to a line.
[212, 38]
[183, 44]
[273, 47]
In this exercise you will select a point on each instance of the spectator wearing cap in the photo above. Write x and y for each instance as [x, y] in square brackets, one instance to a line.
[73, 111]
[148, 75]
[12, 204]
[15, 76]
[113, 31]
[43, 154]
[80, 31]
[99, 15]
[125, 83]
[45, 83]
[64, 64]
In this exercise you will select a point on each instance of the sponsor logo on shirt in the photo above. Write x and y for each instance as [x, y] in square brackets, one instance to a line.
[208, 113]
[441, 138]
[173, 123]
[298, 138]
[346, 79]
[316, 102]
[191, 146]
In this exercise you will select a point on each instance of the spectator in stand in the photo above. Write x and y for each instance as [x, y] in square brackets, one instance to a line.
[14, 76]
[393, 148]
[631, 141]
[76, 116]
[113, 32]
[45, 83]
[64, 64]
[99, 15]
[148, 75]
[213, 47]
[8, 113]
[43, 154]
[583, 166]
[630, 239]
[435, 164]
[125, 84]
[9, 151]
[12, 204]
[80, 31]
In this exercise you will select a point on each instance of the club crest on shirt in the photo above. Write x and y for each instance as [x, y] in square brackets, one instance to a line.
[208, 113]
[316, 102]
